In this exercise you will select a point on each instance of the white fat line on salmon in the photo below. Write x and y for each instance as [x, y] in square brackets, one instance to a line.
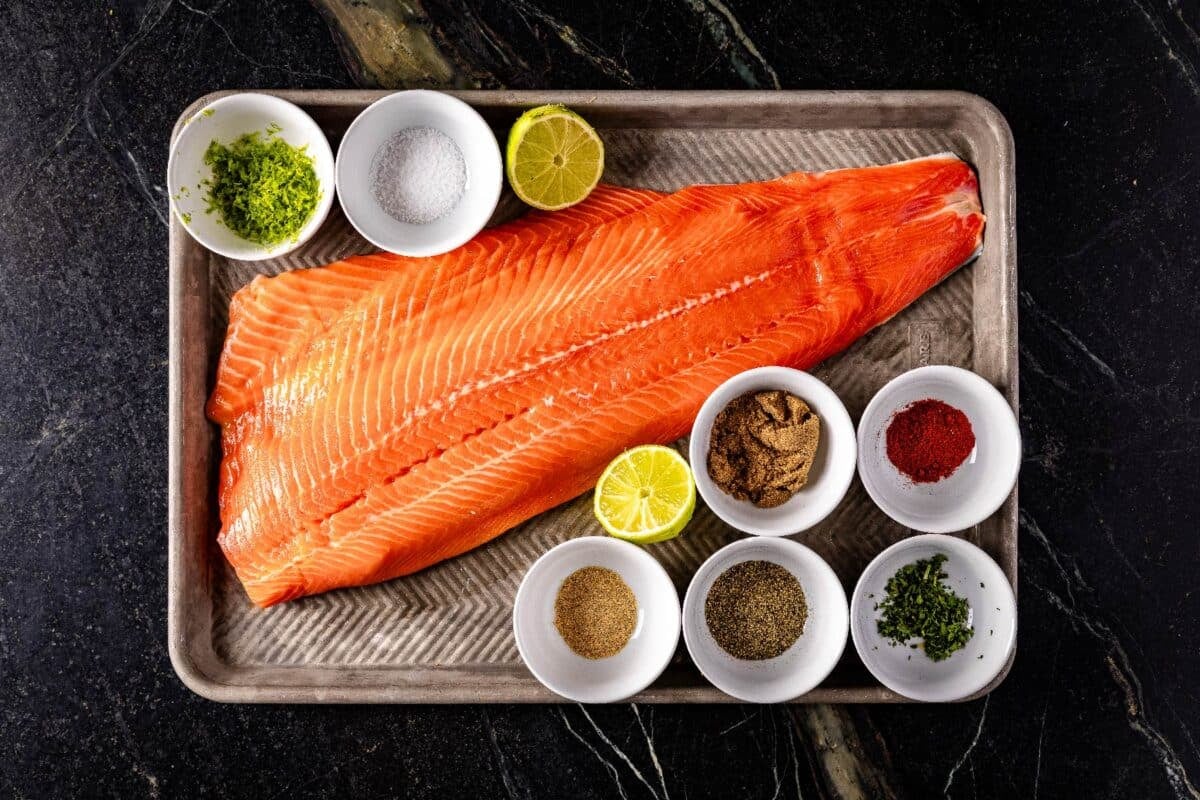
[342, 465]
[331, 543]
[467, 389]
[687, 305]
[530, 367]
[961, 203]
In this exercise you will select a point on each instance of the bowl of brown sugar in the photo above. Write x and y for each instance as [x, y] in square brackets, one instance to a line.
[773, 451]
[596, 619]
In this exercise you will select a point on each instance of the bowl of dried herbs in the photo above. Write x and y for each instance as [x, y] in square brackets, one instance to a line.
[934, 618]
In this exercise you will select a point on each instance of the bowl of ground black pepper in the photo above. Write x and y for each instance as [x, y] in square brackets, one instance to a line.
[773, 451]
[596, 619]
[251, 176]
[765, 619]
[939, 449]
[934, 618]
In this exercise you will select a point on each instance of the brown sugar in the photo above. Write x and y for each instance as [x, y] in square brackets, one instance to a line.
[762, 447]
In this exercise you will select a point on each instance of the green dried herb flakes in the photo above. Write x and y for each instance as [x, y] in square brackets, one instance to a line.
[918, 605]
[264, 190]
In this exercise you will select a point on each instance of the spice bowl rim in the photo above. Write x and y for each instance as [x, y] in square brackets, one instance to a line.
[997, 484]
[820, 496]
[979, 669]
[794, 673]
[271, 109]
[481, 194]
[651, 655]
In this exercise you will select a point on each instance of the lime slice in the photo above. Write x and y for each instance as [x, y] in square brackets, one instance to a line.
[646, 495]
[554, 158]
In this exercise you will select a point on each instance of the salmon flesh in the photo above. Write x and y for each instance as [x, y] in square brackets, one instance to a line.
[382, 413]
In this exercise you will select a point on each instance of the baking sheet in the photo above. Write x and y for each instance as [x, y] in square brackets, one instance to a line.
[445, 634]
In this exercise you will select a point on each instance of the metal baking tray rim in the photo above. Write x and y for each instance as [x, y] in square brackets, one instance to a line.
[214, 684]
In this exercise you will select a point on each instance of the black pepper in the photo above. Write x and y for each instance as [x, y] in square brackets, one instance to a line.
[755, 610]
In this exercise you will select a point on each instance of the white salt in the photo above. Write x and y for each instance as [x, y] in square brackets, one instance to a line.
[418, 175]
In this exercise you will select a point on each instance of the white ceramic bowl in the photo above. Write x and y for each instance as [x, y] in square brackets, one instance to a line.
[977, 488]
[604, 680]
[807, 662]
[410, 109]
[972, 575]
[833, 465]
[225, 120]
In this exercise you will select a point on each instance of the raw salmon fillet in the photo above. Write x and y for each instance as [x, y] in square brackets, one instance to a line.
[383, 413]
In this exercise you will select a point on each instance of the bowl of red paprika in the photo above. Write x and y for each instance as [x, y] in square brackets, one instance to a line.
[939, 449]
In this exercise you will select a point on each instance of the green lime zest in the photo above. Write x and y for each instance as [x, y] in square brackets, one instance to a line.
[265, 190]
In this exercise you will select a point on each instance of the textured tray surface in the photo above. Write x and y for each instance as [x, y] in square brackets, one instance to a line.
[445, 634]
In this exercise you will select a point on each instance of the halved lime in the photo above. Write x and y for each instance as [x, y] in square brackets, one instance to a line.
[554, 158]
[646, 495]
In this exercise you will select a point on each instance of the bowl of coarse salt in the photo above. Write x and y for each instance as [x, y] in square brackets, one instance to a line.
[419, 173]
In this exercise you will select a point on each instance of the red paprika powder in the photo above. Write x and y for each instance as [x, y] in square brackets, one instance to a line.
[928, 440]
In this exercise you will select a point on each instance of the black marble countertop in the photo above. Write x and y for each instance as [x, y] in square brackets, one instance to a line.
[1104, 102]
